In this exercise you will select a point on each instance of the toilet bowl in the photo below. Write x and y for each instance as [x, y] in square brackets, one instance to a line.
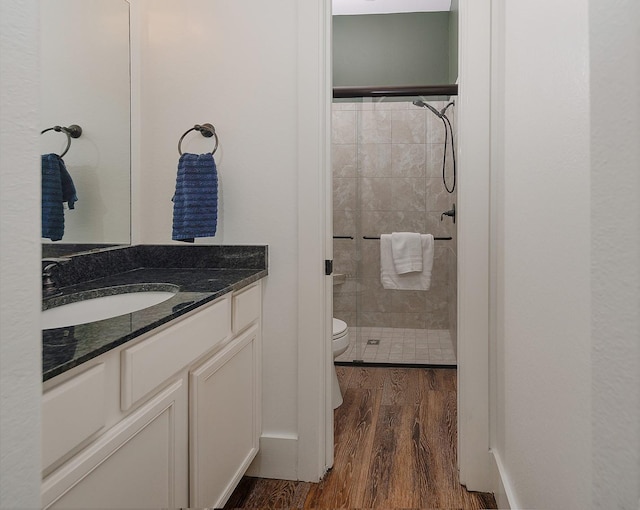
[339, 344]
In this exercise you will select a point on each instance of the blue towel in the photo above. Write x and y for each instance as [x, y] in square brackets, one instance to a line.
[195, 203]
[57, 187]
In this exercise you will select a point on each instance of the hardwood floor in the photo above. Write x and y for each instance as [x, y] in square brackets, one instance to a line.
[395, 447]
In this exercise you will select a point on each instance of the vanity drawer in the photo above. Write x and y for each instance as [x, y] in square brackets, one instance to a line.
[72, 412]
[246, 307]
[153, 361]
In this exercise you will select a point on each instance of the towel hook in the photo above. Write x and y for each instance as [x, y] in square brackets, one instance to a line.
[206, 130]
[73, 131]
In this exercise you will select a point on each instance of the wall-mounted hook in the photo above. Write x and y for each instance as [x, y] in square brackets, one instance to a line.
[451, 212]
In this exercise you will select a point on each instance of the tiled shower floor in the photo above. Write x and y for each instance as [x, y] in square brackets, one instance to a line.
[398, 345]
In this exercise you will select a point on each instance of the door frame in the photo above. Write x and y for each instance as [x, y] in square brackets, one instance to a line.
[474, 249]
[315, 412]
[315, 416]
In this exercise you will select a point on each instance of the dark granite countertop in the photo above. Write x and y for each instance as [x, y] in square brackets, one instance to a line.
[213, 276]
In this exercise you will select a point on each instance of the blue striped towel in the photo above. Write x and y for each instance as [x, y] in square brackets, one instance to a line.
[57, 187]
[195, 202]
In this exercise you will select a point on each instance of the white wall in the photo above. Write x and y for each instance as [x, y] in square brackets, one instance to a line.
[615, 253]
[567, 359]
[544, 437]
[20, 365]
[234, 65]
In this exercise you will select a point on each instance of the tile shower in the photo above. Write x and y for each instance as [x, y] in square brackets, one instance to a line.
[387, 177]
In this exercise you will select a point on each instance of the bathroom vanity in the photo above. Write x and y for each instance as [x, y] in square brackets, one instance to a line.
[159, 408]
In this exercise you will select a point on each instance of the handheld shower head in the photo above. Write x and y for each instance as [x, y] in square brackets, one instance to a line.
[422, 104]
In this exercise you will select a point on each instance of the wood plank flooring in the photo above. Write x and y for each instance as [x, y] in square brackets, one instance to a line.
[395, 447]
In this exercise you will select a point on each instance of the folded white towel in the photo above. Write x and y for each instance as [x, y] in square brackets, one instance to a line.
[406, 250]
[410, 281]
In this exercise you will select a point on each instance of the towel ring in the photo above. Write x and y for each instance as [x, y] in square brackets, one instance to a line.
[206, 130]
[73, 131]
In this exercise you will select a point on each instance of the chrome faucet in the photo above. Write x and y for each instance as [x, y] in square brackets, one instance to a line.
[49, 287]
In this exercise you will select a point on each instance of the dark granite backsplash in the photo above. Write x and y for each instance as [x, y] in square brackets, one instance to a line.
[84, 267]
[52, 250]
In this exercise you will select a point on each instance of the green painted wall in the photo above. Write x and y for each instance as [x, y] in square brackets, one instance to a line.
[392, 49]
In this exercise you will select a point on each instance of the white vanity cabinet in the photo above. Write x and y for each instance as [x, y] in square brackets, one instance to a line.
[170, 420]
[225, 396]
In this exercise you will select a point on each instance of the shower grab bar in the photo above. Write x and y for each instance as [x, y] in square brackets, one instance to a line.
[435, 238]
[72, 131]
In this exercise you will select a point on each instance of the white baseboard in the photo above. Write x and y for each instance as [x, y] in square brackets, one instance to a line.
[277, 458]
[504, 493]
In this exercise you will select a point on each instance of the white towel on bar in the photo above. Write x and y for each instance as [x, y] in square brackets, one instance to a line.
[409, 281]
[406, 250]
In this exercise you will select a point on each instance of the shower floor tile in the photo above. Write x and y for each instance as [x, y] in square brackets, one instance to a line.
[400, 345]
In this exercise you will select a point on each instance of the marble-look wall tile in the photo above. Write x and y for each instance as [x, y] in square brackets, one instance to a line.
[408, 320]
[375, 223]
[374, 126]
[343, 126]
[348, 317]
[373, 319]
[381, 103]
[344, 222]
[370, 258]
[374, 160]
[408, 301]
[344, 296]
[344, 193]
[408, 160]
[344, 160]
[437, 199]
[408, 194]
[373, 297]
[408, 126]
[435, 129]
[388, 177]
[345, 105]
[375, 195]
[344, 257]
[434, 160]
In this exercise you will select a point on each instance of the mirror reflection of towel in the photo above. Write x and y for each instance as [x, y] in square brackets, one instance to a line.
[57, 188]
[195, 202]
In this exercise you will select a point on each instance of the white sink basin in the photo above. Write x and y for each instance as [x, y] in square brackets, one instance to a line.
[102, 307]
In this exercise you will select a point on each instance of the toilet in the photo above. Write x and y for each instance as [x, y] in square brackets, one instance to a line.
[339, 344]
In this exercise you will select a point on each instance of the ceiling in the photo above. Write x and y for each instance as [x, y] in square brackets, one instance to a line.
[341, 7]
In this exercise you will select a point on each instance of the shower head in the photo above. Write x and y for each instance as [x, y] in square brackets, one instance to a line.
[440, 113]
[422, 104]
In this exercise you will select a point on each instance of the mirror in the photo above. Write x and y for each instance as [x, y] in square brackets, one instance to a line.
[85, 80]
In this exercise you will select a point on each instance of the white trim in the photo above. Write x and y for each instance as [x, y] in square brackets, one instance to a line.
[313, 326]
[328, 186]
[496, 299]
[505, 496]
[473, 244]
[276, 458]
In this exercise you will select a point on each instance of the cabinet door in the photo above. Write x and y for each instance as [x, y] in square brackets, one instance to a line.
[139, 463]
[224, 420]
